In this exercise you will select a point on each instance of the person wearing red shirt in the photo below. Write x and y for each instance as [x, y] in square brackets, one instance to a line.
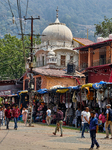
[16, 114]
[8, 113]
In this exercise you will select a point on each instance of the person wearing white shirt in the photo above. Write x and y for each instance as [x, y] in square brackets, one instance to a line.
[48, 118]
[86, 118]
[82, 119]
[108, 121]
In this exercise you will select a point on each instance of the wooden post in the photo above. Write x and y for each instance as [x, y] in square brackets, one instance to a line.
[89, 57]
[111, 52]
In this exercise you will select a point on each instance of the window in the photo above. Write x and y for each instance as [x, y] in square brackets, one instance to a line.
[42, 60]
[39, 61]
[102, 59]
[63, 60]
[71, 58]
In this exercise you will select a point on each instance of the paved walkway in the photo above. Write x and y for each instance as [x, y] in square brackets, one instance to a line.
[40, 137]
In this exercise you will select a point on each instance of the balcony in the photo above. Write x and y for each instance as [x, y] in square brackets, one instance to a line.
[101, 62]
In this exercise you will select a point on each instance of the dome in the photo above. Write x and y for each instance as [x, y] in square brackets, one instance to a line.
[57, 32]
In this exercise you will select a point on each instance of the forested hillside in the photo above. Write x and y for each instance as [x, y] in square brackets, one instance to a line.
[79, 15]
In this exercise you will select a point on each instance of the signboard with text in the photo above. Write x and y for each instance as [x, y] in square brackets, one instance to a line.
[5, 92]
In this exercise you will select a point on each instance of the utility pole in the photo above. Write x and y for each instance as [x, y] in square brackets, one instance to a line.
[29, 118]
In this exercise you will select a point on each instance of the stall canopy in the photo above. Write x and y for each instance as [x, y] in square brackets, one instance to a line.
[86, 85]
[42, 91]
[99, 85]
[63, 90]
[22, 92]
[74, 87]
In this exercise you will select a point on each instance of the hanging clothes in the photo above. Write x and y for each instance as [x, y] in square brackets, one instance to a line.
[68, 105]
[90, 95]
[83, 95]
[74, 99]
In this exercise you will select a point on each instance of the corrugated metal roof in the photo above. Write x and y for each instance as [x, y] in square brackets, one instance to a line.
[84, 41]
[93, 45]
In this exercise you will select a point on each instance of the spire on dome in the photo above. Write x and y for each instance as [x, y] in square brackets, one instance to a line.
[57, 10]
[57, 20]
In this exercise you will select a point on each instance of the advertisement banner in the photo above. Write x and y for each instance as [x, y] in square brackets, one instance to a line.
[5, 93]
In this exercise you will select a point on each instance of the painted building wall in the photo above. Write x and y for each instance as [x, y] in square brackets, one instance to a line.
[52, 81]
[48, 82]
[99, 74]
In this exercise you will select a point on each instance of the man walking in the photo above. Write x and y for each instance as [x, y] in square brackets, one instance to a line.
[108, 121]
[8, 114]
[16, 114]
[59, 122]
[48, 118]
[86, 121]
[93, 130]
[78, 117]
[1, 116]
[82, 119]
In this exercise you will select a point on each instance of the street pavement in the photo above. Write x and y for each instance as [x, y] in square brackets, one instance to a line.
[40, 137]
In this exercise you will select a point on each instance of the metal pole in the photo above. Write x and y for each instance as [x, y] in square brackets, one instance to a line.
[31, 41]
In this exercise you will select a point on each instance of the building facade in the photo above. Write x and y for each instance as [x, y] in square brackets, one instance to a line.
[57, 44]
[96, 59]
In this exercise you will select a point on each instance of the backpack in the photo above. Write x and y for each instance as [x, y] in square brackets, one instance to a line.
[110, 115]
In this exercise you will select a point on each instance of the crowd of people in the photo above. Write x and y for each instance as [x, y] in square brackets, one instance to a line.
[11, 113]
[86, 119]
[94, 121]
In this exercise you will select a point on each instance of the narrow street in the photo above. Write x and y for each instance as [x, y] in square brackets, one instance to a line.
[40, 137]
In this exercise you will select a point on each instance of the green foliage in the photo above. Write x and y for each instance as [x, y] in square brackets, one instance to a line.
[104, 28]
[12, 63]
[1, 99]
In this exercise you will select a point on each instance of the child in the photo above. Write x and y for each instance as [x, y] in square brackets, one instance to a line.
[93, 130]
[1, 116]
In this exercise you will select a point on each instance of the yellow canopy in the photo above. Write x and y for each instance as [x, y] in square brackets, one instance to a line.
[87, 85]
[25, 91]
[62, 90]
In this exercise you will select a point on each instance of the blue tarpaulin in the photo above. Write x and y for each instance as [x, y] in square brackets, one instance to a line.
[42, 91]
[99, 85]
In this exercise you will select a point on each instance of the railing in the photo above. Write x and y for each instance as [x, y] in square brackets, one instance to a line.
[82, 67]
[101, 61]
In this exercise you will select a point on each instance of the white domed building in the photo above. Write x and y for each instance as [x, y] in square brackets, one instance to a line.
[56, 48]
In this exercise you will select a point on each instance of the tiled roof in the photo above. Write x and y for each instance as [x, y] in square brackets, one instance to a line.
[57, 73]
[84, 41]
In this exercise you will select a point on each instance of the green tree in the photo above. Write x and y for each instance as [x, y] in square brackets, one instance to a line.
[104, 28]
[12, 63]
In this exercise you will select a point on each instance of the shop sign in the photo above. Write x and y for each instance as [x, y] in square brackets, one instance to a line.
[5, 93]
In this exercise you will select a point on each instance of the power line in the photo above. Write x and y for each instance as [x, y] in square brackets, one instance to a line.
[10, 10]
[26, 14]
